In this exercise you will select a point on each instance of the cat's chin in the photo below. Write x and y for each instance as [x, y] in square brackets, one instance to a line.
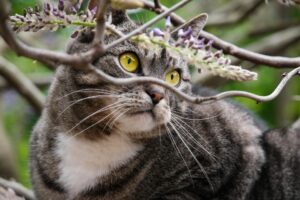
[145, 121]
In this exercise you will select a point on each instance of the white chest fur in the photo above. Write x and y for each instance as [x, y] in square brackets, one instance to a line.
[83, 162]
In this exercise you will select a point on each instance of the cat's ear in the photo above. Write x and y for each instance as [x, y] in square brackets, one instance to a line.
[197, 24]
[119, 16]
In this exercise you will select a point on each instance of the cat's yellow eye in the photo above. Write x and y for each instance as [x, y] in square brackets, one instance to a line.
[173, 78]
[129, 61]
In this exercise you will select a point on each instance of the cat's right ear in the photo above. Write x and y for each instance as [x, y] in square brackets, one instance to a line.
[197, 24]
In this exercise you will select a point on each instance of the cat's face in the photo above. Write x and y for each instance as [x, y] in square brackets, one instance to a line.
[135, 110]
[146, 107]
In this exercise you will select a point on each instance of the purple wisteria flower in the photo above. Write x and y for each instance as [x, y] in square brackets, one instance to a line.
[51, 17]
[198, 52]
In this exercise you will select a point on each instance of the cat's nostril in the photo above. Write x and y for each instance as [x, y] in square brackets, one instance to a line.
[156, 96]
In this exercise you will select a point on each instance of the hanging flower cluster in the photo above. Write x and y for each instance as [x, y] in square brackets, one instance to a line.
[197, 52]
[51, 18]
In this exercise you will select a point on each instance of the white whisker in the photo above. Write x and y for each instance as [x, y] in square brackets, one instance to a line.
[111, 123]
[183, 122]
[83, 99]
[87, 90]
[102, 119]
[193, 155]
[193, 139]
[116, 104]
[178, 150]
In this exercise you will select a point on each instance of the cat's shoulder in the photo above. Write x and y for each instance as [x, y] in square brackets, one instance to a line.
[285, 141]
[280, 174]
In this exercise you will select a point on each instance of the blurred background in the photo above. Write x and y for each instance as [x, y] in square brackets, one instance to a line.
[269, 28]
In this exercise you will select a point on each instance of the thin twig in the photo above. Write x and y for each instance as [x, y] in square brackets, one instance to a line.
[193, 99]
[259, 98]
[176, 20]
[114, 30]
[100, 27]
[18, 189]
[148, 24]
[98, 46]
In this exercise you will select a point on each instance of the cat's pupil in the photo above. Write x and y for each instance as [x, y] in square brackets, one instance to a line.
[172, 76]
[129, 60]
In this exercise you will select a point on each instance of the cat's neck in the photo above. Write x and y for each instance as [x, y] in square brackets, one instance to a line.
[84, 162]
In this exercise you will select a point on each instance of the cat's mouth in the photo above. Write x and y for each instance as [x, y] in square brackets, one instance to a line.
[140, 112]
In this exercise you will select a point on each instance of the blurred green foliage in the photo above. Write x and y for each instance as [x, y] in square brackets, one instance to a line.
[18, 6]
[19, 118]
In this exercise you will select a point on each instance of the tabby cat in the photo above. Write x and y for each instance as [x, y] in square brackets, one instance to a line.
[98, 141]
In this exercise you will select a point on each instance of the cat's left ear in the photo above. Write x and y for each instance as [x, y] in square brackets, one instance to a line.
[119, 17]
[197, 24]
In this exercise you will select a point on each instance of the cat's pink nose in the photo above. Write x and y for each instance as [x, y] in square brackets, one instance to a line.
[156, 95]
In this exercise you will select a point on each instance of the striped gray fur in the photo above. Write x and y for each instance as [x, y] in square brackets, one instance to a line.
[209, 151]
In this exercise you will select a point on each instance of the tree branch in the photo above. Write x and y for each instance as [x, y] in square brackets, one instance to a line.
[76, 60]
[193, 99]
[18, 189]
[9, 194]
[99, 48]
[257, 31]
[100, 27]
[45, 56]
[239, 12]
[39, 80]
[274, 61]
[80, 60]
[22, 84]
[277, 42]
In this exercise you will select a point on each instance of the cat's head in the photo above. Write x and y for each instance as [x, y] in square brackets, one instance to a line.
[136, 110]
